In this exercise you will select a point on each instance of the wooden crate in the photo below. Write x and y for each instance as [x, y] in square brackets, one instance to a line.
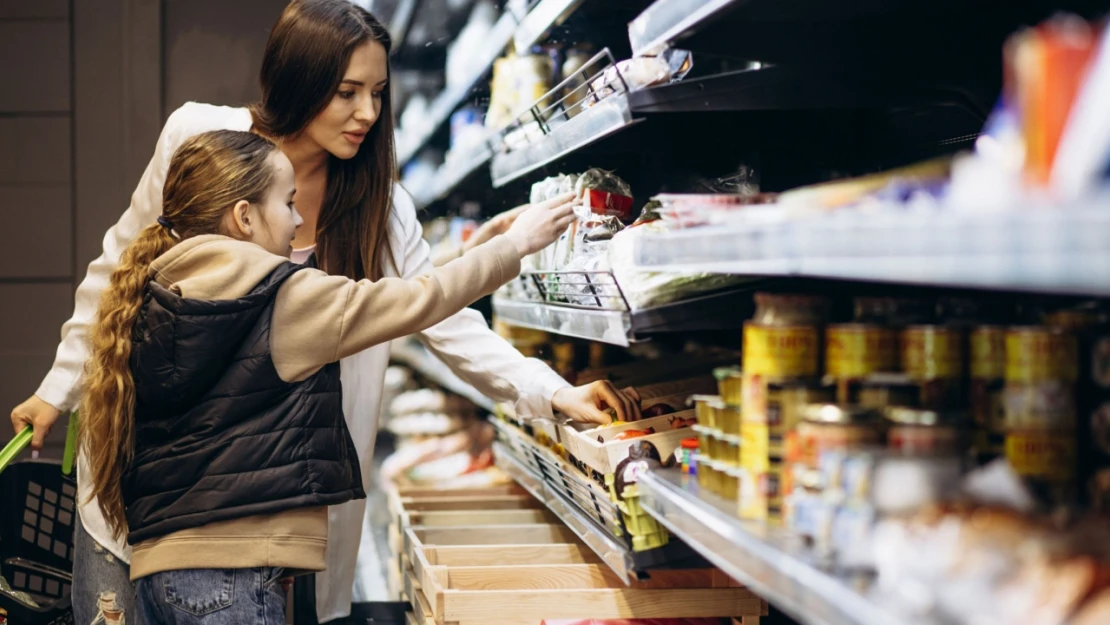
[508, 595]
[472, 518]
[539, 533]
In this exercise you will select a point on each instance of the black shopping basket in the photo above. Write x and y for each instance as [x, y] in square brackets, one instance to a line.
[38, 513]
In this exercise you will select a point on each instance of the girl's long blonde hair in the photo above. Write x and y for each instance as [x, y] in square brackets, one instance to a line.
[207, 176]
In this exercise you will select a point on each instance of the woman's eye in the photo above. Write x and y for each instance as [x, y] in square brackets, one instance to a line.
[346, 95]
[377, 95]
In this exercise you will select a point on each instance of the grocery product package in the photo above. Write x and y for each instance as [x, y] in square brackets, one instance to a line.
[647, 289]
[642, 72]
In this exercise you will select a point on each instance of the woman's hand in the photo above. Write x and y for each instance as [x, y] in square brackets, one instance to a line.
[539, 225]
[588, 404]
[38, 414]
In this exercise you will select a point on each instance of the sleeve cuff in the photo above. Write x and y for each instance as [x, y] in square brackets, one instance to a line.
[536, 404]
[59, 389]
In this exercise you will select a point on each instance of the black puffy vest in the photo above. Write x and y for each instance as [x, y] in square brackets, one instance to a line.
[218, 434]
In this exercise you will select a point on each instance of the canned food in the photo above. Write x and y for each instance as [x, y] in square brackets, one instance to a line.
[988, 368]
[705, 472]
[730, 484]
[855, 350]
[831, 427]
[775, 309]
[730, 446]
[705, 409]
[895, 312]
[729, 384]
[728, 420]
[1045, 405]
[915, 431]
[704, 435]
[780, 351]
[988, 352]
[932, 352]
[1037, 354]
[881, 391]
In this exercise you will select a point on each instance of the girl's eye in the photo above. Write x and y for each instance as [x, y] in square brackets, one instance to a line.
[346, 95]
[377, 95]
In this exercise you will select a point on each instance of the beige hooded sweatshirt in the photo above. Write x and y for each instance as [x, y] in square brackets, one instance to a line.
[318, 319]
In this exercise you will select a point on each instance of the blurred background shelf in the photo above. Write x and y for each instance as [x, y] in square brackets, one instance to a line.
[415, 356]
[771, 563]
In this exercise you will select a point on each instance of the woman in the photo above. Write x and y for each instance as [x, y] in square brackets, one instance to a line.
[325, 101]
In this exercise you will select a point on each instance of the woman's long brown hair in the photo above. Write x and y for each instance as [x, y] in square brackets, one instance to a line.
[207, 176]
[306, 56]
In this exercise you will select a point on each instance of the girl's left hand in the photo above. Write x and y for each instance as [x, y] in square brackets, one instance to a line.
[587, 404]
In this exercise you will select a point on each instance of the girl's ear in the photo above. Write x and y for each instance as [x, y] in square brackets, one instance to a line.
[241, 227]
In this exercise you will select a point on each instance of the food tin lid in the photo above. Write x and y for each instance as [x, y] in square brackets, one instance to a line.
[724, 373]
[689, 443]
[714, 401]
[836, 414]
[903, 415]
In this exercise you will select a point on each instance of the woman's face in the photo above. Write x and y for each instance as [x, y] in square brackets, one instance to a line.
[354, 108]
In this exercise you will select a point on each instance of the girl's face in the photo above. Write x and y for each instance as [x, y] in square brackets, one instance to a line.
[354, 108]
[273, 222]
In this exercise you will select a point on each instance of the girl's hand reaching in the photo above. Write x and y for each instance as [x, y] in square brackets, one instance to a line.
[541, 224]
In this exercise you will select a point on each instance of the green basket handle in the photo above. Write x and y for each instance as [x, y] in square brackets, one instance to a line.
[13, 448]
[23, 439]
[71, 445]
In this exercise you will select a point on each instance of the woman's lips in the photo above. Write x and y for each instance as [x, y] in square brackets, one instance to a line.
[355, 137]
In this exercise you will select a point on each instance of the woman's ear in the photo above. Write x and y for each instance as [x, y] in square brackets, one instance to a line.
[241, 220]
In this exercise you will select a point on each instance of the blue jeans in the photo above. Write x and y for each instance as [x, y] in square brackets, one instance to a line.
[212, 597]
[96, 570]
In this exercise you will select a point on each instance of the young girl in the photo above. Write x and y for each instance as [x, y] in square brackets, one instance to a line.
[212, 422]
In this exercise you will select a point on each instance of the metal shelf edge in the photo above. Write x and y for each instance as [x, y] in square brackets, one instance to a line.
[617, 557]
[609, 116]
[542, 17]
[1059, 251]
[810, 595]
[666, 20]
[558, 320]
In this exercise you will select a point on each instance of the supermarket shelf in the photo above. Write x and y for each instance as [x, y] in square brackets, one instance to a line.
[544, 16]
[450, 175]
[769, 562]
[781, 88]
[413, 140]
[592, 124]
[665, 21]
[414, 356]
[624, 562]
[607, 326]
[1061, 250]
[707, 312]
